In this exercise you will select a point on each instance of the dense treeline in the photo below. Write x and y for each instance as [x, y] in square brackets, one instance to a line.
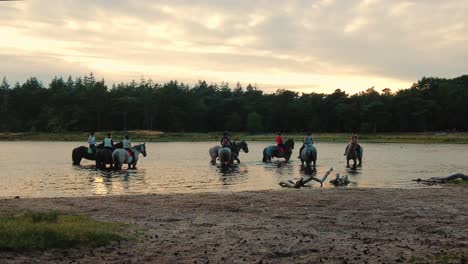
[85, 103]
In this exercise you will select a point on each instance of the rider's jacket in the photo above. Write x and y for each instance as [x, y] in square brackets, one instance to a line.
[126, 143]
[108, 143]
[308, 140]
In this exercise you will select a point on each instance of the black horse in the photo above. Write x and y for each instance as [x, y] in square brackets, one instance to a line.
[104, 157]
[82, 152]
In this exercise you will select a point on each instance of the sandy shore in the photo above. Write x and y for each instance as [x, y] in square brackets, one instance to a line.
[286, 226]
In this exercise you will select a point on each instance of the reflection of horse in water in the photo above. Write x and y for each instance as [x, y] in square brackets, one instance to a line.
[225, 156]
[121, 156]
[274, 151]
[237, 146]
[84, 152]
[354, 152]
[309, 155]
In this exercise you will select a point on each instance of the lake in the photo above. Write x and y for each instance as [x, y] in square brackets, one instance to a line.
[44, 169]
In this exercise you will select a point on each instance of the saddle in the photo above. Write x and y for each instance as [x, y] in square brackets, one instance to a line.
[90, 151]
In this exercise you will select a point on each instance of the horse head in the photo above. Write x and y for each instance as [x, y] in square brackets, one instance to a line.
[289, 144]
[244, 147]
[141, 148]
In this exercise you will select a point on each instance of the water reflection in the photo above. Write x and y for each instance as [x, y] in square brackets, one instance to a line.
[184, 167]
[307, 171]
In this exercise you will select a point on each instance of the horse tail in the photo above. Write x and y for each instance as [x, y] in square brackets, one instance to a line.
[115, 158]
[76, 156]
[264, 155]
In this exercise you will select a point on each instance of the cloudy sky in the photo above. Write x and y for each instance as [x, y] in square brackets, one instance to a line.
[316, 45]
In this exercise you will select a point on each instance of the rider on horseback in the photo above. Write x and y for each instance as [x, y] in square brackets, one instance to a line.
[353, 142]
[225, 141]
[306, 141]
[92, 142]
[108, 143]
[279, 142]
[127, 145]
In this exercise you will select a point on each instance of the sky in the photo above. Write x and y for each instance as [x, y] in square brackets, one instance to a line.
[305, 46]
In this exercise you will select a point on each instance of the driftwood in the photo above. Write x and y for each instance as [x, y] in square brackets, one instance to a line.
[301, 182]
[340, 181]
[441, 180]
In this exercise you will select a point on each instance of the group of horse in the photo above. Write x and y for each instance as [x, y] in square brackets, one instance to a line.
[308, 155]
[226, 155]
[115, 157]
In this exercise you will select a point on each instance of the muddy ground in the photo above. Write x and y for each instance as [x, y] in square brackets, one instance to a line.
[285, 226]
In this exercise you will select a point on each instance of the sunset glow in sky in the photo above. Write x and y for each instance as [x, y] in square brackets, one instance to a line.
[307, 46]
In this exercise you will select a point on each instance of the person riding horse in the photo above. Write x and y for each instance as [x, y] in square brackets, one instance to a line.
[108, 143]
[279, 142]
[353, 142]
[92, 142]
[306, 141]
[126, 144]
[225, 141]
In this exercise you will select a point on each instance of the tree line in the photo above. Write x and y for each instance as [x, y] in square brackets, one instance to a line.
[84, 104]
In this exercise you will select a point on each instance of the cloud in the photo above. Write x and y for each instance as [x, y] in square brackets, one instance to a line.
[301, 45]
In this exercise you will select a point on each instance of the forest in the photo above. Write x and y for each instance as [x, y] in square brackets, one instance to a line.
[85, 104]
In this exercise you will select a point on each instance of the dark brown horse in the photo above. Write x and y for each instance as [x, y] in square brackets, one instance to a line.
[354, 152]
[82, 152]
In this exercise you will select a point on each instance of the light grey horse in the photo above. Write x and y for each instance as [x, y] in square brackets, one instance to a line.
[121, 156]
[225, 156]
[309, 155]
[240, 145]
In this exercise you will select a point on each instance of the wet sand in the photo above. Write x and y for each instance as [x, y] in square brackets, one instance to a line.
[285, 226]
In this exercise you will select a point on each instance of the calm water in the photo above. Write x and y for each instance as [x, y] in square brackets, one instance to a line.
[44, 169]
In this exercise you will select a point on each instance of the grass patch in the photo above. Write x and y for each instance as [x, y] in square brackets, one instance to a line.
[46, 230]
[441, 258]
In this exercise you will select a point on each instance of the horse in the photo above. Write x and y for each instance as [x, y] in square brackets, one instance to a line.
[83, 152]
[354, 151]
[241, 145]
[225, 156]
[104, 157]
[80, 153]
[309, 155]
[121, 156]
[273, 151]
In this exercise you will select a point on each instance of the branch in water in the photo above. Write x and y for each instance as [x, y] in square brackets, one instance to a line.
[300, 183]
[435, 180]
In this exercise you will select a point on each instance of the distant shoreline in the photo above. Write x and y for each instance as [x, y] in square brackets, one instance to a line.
[158, 136]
